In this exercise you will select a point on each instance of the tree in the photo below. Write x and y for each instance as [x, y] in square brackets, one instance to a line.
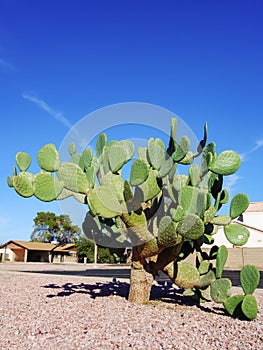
[50, 227]
[85, 248]
[162, 215]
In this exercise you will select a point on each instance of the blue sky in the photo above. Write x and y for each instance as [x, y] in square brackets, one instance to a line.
[61, 60]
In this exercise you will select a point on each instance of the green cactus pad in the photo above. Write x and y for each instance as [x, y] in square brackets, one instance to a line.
[90, 175]
[249, 278]
[150, 248]
[172, 172]
[224, 197]
[207, 279]
[209, 214]
[208, 200]
[233, 305]
[142, 153]
[205, 294]
[204, 267]
[72, 148]
[75, 158]
[80, 197]
[221, 220]
[177, 214]
[64, 194]
[23, 161]
[194, 175]
[73, 177]
[238, 205]
[103, 201]
[221, 259]
[85, 159]
[236, 234]
[23, 184]
[129, 146]
[186, 276]
[139, 172]
[95, 163]
[127, 191]
[165, 168]
[249, 307]
[150, 187]
[114, 181]
[117, 157]
[188, 159]
[211, 148]
[207, 159]
[192, 199]
[173, 132]
[226, 163]
[104, 159]
[48, 158]
[220, 290]
[47, 187]
[101, 143]
[119, 153]
[167, 235]
[191, 227]
[137, 227]
[181, 149]
[179, 182]
[10, 181]
[156, 152]
[202, 143]
[171, 193]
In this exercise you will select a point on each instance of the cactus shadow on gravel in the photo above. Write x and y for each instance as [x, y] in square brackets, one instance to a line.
[162, 292]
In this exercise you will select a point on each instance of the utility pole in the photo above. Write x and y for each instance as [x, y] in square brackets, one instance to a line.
[95, 253]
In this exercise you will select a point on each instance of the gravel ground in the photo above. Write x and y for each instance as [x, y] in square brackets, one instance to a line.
[47, 311]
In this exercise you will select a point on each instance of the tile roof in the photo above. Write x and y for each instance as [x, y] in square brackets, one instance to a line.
[64, 247]
[15, 244]
[31, 245]
[255, 207]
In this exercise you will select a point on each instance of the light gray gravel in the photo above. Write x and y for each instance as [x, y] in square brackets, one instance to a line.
[46, 311]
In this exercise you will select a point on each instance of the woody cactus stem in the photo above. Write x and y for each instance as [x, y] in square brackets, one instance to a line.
[162, 215]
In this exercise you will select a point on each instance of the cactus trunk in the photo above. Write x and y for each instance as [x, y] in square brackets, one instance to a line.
[140, 280]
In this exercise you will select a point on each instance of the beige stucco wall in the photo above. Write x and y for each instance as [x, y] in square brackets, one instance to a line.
[238, 257]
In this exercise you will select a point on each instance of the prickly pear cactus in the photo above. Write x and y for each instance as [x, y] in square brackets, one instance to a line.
[245, 306]
[162, 215]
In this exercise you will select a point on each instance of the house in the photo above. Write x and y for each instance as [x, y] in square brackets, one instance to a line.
[252, 251]
[64, 253]
[252, 219]
[23, 251]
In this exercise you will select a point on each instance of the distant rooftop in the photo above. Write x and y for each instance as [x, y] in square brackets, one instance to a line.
[255, 207]
[30, 245]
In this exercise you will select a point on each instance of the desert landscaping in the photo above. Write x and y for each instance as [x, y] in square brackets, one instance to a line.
[61, 308]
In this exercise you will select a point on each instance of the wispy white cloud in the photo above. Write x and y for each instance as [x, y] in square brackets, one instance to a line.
[57, 116]
[4, 65]
[230, 182]
[50, 110]
[258, 145]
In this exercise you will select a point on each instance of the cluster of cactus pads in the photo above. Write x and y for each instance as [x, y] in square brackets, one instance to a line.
[163, 214]
[212, 286]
